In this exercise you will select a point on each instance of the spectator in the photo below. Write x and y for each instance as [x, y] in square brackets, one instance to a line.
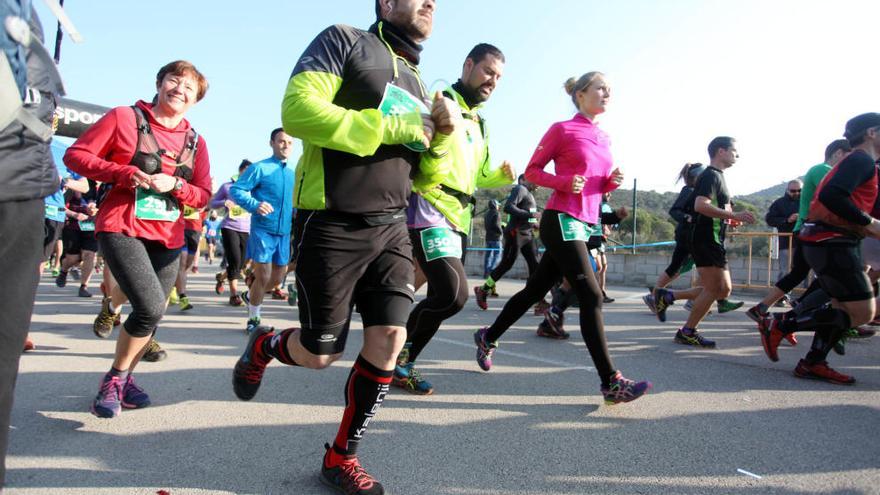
[492, 222]
[782, 215]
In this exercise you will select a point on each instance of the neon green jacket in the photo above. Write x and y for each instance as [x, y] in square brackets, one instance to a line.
[469, 168]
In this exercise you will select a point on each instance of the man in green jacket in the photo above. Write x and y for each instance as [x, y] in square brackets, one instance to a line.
[439, 217]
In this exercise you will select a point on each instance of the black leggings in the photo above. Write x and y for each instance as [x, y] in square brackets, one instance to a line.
[568, 259]
[145, 271]
[680, 256]
[234, 248]
[799, 268]
[447, 294]
[512, 243]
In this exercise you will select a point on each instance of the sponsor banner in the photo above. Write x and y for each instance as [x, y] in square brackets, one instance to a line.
[73, 117]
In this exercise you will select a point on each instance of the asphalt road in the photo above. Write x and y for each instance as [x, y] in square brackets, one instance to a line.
[535, 424]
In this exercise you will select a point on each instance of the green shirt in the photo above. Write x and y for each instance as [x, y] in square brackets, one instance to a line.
[811, 182]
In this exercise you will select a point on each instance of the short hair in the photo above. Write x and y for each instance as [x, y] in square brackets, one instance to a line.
[184, 68]
[482, 50]
[244, 164]
[720, 143]
[275, 133]
[521, 178]
[835, 146]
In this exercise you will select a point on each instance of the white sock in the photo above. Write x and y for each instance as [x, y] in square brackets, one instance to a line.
[254, 311]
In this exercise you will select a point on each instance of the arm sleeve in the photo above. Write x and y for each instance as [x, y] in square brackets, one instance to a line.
[86, 155]
[679, 207]
[240, 191]
[511, 206]
[308, 111]
[836, 195]
[775, 216]
[219, 198]
[197, 192]
[545, 152]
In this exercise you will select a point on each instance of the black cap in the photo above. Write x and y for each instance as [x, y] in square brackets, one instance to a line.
[857, 126]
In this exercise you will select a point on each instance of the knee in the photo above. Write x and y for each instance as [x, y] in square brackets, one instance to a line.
[316, 361]
[460, 299]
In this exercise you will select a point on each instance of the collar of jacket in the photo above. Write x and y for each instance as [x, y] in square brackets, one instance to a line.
[402, 45]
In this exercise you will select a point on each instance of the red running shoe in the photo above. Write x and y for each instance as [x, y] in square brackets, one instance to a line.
[481, 295]
[770, 339]
[823, 372]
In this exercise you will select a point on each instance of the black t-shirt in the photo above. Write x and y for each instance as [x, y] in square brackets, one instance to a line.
[521, 206]
[711, 185]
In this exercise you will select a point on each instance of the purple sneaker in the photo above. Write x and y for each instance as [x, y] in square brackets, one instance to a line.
[133, 397]
[624, 390]
[108, 403]
[484, 349]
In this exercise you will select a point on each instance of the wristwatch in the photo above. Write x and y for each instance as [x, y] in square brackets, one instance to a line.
[178, 184]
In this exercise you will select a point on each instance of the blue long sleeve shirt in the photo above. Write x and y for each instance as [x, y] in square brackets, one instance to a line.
[269, 180]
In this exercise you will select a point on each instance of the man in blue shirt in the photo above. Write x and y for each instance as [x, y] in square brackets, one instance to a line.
[55, 211]
[265, 190]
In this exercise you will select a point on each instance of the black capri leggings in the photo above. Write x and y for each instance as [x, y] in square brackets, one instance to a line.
[234, 248]
[568, 259]
[447, 294]
[680, 256]
[799, 267]
[514, 242]
[145, 271]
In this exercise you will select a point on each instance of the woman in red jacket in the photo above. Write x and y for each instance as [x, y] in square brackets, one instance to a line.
[157, 164]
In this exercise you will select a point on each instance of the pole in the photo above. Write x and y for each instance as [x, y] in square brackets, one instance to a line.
[59, 35]
[635, 211]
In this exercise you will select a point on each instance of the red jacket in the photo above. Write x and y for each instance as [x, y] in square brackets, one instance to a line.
[103, 152]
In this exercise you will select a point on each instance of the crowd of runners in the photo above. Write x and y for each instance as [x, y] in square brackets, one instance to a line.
[381, 202]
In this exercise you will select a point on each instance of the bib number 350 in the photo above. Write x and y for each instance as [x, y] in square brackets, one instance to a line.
[440, 242]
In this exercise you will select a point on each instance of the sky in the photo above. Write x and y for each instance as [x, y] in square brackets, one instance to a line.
[780, 76]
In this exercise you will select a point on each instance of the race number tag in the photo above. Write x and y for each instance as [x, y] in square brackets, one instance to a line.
[533, 219]
[398, 101]
[87, 226]
[572, 228]
[150, 205]
[52, 211]
[440, 242]
[238, 212]
[190, 213]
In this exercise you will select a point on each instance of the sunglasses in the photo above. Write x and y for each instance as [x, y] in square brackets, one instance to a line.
[794, 190]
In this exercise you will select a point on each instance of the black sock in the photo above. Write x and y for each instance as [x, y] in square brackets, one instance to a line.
[276, 347]
[365, 390]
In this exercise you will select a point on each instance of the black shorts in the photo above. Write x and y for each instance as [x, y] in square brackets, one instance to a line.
[707, 253]
[839, 269]
[51, 234]
[192, 238]
[342, 262]
[77, 241]
[210, 241]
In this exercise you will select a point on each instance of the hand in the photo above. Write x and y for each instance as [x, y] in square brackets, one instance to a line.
[82, 217]
[577, 184]
[508, 170]
[744, 217]
[93, 209]
[229, 204]
[265, 208]
[162, 183]
[445, 113]
[792, 218]
[622, 212]
[616, 176]
[140, 179]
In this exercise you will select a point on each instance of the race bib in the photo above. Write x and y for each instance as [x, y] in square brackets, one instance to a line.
[87, 226]
[190, 213]
[533, 219]
[52, 211]
[150, 205]
[440, 242]
[573, 229]
[238, 212]
[398, 101]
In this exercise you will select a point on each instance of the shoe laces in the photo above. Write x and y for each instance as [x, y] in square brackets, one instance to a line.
[415, 376]
[131, 385]
[106, 318]
[355, 477]
[110, 389]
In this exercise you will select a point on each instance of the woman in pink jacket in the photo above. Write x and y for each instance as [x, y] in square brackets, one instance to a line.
[584, 171]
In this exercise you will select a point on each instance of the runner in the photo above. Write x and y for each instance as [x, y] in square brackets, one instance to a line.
[439, 219]
[140, 222]
[355, 99]
[212, 233]
[711, 212]
[192, 235]
[80, 244]
[836, 222]
[234, 231]
[519, 236]
[584, 170]
[493, 229]
[265, 189]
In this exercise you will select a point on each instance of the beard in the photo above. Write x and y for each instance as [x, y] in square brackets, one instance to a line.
[415, 27]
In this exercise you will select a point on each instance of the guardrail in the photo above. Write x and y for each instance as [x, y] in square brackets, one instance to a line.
[769, 280]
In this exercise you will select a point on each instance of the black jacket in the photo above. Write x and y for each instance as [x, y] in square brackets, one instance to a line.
[780, 210]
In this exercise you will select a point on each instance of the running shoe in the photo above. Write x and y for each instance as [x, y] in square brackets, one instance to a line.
[544, 330]
[172, 297]
[133, 397]
[661, 303]
[623, 389]
[349, 477]
[695, 339]
[185, 305]
[75, 273]
[861, 332]
[484, 349]
[56, 271]
[84, 291]
[248, 372]
[291, 295]
[823, 372]
[108, 402]
[61, 279]
[771, 336]
[410, 379]
[541, 307]
[726, 306]
[29, 346]
[219, 287]
[278, 294]
[481, 295]
[648, 299]
[493, 292]
[607, 300]
[252, 325]
[756, 316]
[105, 321]
[154, 352]
[235, 300]
[553, 325]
